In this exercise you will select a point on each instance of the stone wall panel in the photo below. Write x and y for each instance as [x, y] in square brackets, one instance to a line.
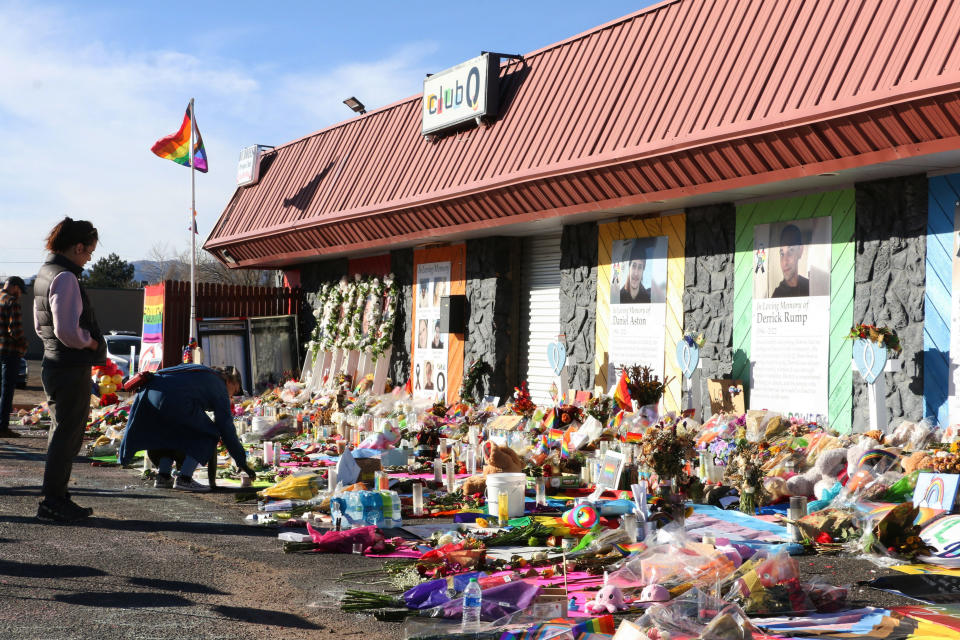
[889, 285]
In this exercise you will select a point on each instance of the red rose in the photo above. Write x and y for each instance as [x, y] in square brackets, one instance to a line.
[824, 538]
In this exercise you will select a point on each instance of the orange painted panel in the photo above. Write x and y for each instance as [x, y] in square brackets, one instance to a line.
[456, 255]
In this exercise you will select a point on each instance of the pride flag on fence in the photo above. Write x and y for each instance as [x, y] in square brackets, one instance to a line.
[176, 146]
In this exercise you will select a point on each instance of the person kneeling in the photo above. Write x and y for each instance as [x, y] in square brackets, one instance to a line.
[169, 416]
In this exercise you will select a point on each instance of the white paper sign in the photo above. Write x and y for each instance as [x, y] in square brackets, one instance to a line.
[430, 345]
[638, 310]
[790, 325]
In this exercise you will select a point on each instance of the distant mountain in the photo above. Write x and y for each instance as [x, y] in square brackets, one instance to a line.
[146, 270]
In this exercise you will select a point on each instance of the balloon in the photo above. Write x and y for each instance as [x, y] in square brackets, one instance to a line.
[105, 379]
[108, 388]
[118, 379]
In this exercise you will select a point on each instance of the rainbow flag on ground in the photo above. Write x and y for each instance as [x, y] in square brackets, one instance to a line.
[176, 146]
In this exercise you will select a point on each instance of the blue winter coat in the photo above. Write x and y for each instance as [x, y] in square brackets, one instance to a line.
[170, 413]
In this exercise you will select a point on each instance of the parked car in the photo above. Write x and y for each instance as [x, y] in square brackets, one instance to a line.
[22, 374]
[119, 344]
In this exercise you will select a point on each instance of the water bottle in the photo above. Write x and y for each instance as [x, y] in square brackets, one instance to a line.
[472, 597]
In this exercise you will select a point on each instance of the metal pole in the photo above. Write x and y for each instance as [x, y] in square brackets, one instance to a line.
[193, 243]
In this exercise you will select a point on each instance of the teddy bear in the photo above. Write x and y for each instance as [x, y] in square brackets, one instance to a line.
[821, 476]
[499, 459]
[919, 460]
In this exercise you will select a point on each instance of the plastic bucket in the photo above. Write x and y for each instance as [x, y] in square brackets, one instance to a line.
[512, 484]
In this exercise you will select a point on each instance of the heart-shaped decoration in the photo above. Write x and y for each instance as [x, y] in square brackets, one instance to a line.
[688, 357]
[557, 356]
[870, 358]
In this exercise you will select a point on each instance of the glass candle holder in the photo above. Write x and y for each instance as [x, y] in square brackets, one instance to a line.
[417, 499]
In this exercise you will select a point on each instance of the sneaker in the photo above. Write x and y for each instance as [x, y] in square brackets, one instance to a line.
[163, 481]
[88, 511]
[9, 433]
[52, 510]
[189, 484]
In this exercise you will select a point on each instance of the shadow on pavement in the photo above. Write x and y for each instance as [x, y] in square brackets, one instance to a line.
[175, 585]
[265, 616]
[31, 570]
[153, 526]
[89, 493]
[124, 599]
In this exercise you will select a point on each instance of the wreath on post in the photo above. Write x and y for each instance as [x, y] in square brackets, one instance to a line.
[373, 288]
[333, 333]
[315, 342]
[884, 336]
[386, 318]
[354, 316]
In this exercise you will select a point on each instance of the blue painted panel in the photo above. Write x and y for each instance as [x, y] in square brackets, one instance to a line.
[944, 194]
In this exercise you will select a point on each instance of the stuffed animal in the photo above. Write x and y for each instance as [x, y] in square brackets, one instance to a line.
[498, 459]
[823, 475]
[608, 600]
[919, 460]
[912, 436]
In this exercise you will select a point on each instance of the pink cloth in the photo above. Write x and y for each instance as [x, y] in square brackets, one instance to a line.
[65, 307]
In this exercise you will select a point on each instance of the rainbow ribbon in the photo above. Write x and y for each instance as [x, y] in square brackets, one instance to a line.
[582, 516]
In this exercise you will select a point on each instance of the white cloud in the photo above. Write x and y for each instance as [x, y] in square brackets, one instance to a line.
[78, 114]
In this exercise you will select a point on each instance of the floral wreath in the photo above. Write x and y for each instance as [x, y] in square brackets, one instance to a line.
[351, 297]
[385, 318]
[884, 336]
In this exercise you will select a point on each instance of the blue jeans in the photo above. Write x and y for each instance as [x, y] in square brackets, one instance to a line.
[9, 368]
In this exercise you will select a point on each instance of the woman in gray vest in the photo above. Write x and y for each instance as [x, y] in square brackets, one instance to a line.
[72, 344]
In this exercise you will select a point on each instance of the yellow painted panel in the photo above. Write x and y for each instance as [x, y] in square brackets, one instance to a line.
[674, 227]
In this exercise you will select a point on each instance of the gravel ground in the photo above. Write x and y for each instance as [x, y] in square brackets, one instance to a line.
[164, 564]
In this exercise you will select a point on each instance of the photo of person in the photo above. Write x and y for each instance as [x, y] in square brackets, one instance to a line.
[437, 342]
[439, 290]
[793, 285]
[428, 375]
[423, 293]
[421, 334]
[796, 259]
[639, 271]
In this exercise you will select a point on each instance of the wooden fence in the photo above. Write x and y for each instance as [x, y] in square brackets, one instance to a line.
[219, 301]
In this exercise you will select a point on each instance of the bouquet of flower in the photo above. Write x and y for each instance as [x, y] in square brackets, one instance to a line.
[695, 340]
[644, 386]
[897, 535]
[600, 407]
[522, 404]
[666, 451]
[884, 336]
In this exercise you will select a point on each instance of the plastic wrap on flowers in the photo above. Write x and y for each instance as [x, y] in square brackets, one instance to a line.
[434, 592]
[497, 602]
[343, 541]
[699, 615]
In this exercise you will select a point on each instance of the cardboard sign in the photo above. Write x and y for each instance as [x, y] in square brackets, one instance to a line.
[505, 423]
[936, 490]
[721, 399]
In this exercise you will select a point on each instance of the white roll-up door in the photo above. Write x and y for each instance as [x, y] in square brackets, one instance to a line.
[539, 312]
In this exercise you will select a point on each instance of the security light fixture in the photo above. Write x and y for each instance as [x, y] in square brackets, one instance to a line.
[228, 257]
[355, 104]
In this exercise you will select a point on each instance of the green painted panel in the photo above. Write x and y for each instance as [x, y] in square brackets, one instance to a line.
[840, 205]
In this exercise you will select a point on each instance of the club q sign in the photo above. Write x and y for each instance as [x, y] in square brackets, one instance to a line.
[468, 91]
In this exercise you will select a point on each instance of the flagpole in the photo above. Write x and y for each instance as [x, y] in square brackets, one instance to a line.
[193, 242]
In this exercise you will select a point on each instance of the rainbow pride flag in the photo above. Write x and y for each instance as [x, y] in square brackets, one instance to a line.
[622, 394]
[176, 146]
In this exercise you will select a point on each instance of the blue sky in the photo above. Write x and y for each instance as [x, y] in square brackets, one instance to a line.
[87, 87]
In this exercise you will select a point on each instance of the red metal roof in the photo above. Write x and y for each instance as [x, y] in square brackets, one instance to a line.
[684, 96]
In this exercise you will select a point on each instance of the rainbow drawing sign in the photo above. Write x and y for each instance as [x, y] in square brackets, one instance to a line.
[936, 490]
[151, 343]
